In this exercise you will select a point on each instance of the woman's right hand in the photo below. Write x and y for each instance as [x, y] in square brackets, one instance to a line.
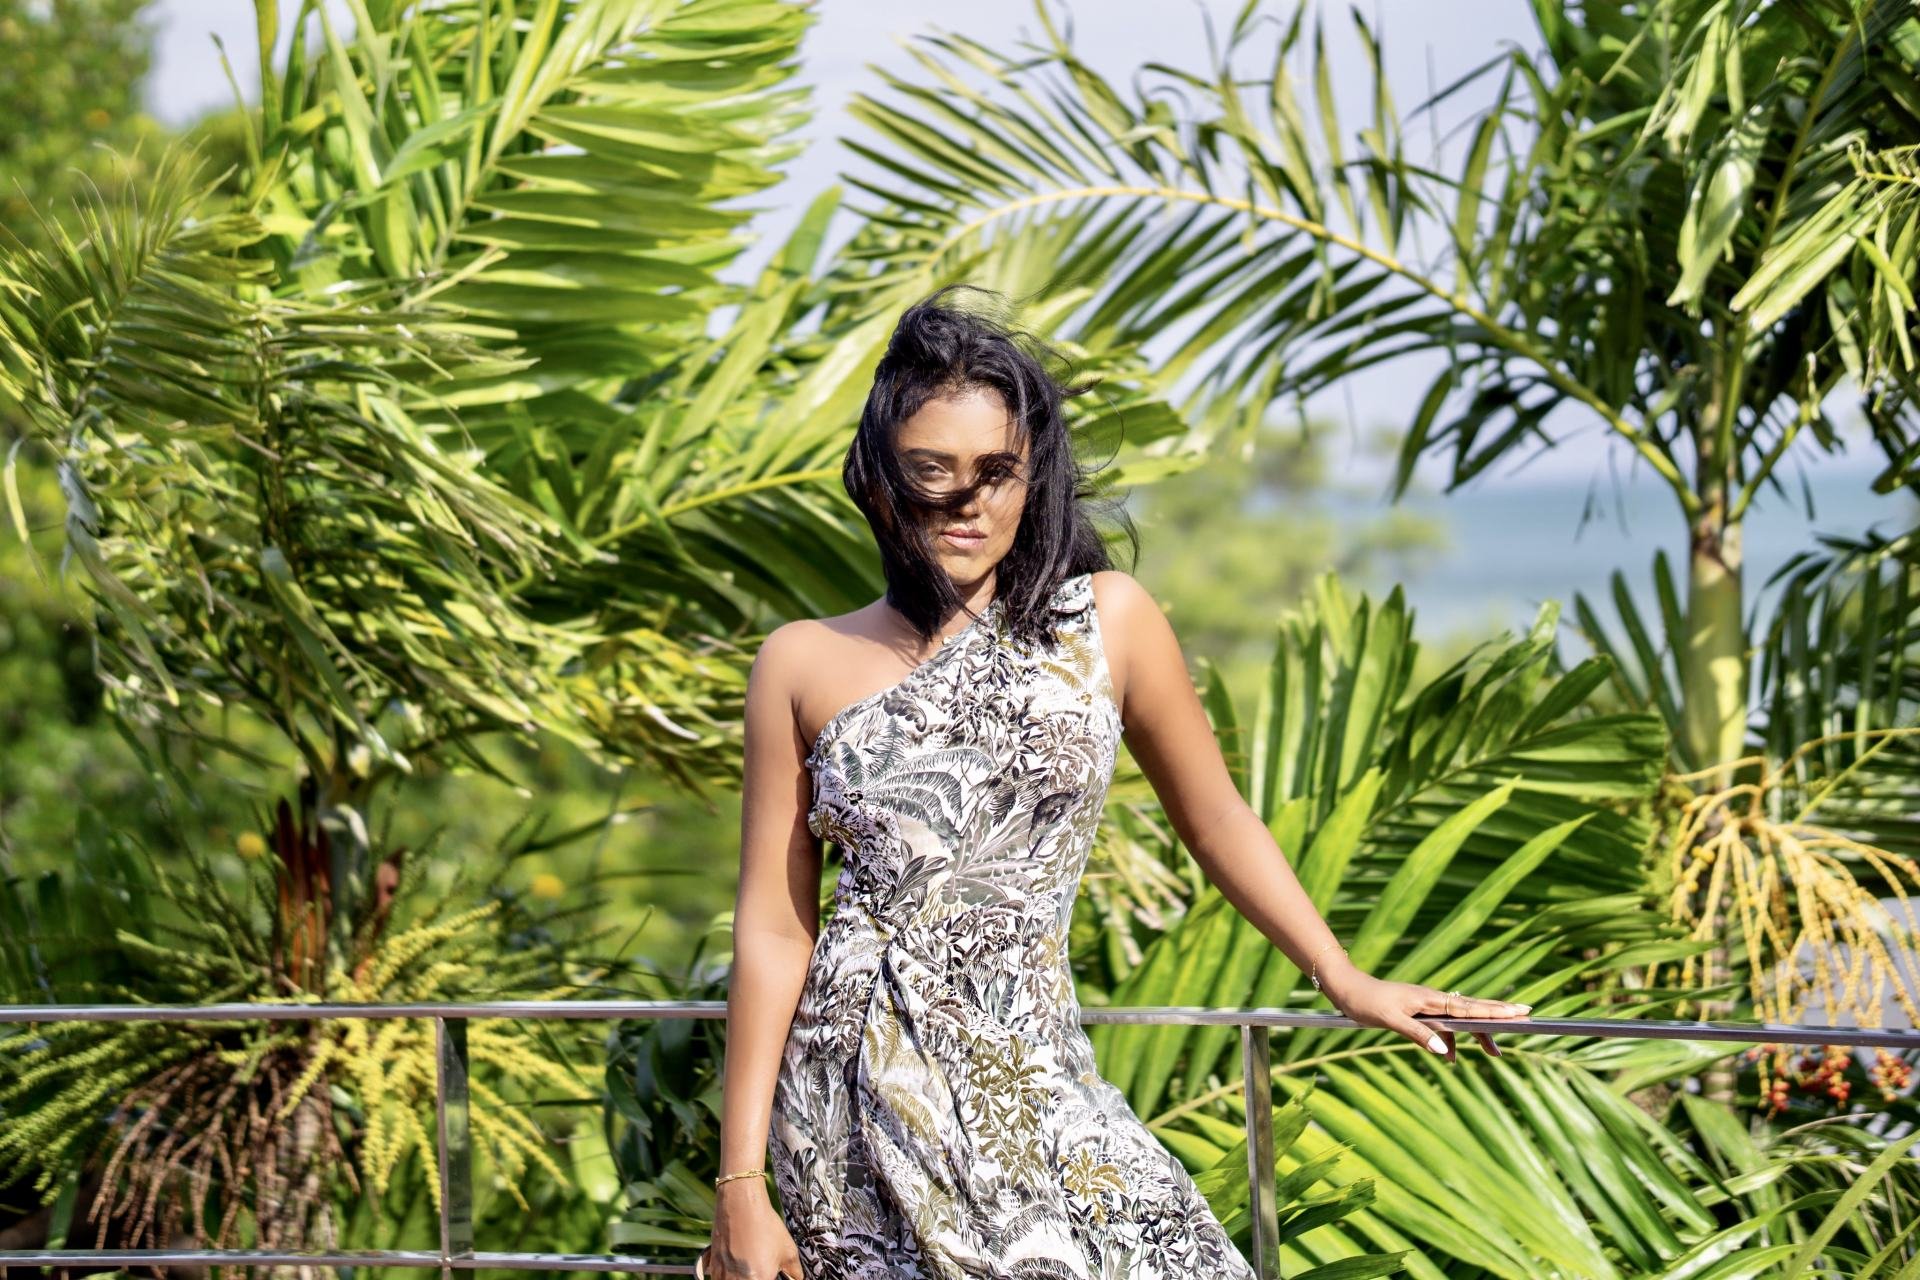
[749, 1240]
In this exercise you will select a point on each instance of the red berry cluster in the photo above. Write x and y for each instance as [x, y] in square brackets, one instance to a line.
[1822, 1073]
[1828, 1073]
[1890, 1073]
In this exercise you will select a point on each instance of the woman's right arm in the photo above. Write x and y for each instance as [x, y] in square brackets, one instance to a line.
[776, 918]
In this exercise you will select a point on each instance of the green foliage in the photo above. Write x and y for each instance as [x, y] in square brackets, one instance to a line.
[661, 1115]
[226, 1105]
[1459, 815]
[1672, 219]
[255, 512]
[1305, 1199]
[1480, 832]
[257, 407]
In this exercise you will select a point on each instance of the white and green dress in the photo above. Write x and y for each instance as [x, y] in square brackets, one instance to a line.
[937, 1112]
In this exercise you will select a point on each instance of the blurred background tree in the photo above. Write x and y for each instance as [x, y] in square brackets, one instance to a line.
[71, 98]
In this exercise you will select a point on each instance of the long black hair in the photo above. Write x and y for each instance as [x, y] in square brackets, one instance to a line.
[943, 349]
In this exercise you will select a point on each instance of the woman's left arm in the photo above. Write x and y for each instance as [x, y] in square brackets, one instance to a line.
[1168, 732]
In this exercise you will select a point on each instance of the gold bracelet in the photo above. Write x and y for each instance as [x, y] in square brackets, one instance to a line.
[1314, 976]
[744, 1173]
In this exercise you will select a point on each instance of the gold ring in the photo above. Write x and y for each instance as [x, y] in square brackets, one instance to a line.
[1451, 997]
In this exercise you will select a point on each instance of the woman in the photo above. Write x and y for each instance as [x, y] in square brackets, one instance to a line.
[917, 1068]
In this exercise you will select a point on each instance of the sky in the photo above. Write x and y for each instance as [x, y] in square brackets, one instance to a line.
[1518, 533]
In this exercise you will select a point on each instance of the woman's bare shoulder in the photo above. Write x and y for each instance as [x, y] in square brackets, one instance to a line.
[794, 655]
[1119, 597]
[804, 643]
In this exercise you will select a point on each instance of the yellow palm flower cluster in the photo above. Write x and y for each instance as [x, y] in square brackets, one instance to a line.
[390, 1064]
[1783, 891]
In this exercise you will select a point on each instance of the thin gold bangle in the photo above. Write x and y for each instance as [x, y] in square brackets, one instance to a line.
[744, 1173]
[1314, 976]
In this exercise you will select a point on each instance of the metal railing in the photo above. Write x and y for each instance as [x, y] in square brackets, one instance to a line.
[454, 1151]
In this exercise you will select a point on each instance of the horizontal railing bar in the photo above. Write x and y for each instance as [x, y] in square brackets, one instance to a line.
[1601, 1028]
[367, 1258]
[241, 1011]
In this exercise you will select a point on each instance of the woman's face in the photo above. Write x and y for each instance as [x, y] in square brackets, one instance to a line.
[945, 446]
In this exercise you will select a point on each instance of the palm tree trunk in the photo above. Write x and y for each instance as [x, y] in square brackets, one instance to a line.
[1713, 673]
[296, 1213]
[1713, 668]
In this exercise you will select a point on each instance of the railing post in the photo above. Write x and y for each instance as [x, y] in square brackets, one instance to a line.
[1257, 1071]
[453, 1141]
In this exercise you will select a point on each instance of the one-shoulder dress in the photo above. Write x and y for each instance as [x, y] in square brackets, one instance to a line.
[937, 1112]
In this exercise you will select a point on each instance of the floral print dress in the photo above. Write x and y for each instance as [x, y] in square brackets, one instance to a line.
[937, 1112]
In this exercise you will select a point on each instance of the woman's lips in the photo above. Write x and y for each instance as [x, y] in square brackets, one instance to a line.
[965, 541]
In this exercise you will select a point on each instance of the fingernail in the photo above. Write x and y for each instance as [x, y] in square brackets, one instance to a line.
[1524, 1008]
[1436, 1044]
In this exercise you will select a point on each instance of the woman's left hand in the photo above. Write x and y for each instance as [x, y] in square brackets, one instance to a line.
[1375, 1002]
